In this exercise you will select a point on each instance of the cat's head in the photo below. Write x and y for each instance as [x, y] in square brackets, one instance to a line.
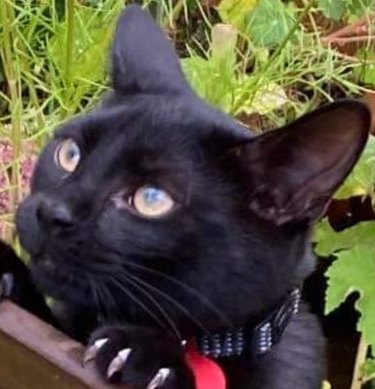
[158, 208]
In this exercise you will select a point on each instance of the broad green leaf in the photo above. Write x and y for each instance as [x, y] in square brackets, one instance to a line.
[235, 11]
[269, 23]
[330, 242]
[333, 9]
[354, 270]
[359, 7]
[220, 84]
[218, 70]
[268, 97]
[362, 180]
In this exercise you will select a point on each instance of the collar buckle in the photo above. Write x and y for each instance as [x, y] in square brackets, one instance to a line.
[269, 332]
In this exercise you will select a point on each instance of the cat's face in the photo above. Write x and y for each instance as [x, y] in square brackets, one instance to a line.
[159, 209]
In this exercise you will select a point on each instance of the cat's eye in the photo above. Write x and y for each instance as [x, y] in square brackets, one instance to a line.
[67, 155]
[152, 202]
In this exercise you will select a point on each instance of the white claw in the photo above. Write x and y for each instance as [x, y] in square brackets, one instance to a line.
[118, 362]
[91, 352]
[159, 378]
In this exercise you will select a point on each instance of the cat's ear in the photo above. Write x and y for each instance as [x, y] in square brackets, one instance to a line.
[143, 59]
[292, 172]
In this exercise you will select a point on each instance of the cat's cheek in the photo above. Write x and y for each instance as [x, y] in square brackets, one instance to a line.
[28, 227]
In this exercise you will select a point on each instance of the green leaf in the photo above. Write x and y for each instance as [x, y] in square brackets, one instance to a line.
[354, 270]
[269, 23]
[218, 88]
[362, 180]
[235, 11]
[329, 242]
[333, 9]
[218, 70]
[359, 7]
[266, 98]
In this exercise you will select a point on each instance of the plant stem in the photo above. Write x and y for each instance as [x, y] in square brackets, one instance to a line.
[360, 26]
[350, 39]
[11, 70]
[359, 360]
[69, 40]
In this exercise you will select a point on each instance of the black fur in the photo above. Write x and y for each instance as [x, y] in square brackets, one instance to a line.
[236, 244]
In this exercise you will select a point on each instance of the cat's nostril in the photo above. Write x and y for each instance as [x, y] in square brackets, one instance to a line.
[55, 214]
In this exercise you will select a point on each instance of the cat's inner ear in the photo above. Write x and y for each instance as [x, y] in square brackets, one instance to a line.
[292, 172]
[143, 59]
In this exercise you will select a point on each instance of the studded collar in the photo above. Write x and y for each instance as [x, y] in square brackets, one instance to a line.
[250, 340]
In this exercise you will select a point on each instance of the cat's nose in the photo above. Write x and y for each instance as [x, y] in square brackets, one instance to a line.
[55, 214]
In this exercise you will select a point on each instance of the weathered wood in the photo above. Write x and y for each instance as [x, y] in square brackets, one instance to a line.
[34, 355]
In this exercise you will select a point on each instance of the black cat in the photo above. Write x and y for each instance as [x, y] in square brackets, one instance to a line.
[155, 220]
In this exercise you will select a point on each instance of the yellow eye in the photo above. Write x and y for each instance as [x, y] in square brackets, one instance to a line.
[67, 155]
[152, 202]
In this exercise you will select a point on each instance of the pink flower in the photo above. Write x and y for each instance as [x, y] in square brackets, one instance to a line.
[27, 161]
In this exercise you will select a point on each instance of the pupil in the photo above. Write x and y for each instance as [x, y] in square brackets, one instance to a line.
[72, 153]
[152, 196]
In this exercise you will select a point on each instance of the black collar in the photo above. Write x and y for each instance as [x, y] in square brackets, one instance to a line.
[252, 341]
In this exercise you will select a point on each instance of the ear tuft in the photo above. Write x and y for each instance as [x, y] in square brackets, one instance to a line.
[143, 59]
[294, 171]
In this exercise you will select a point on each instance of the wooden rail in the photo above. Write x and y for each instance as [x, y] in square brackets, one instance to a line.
[34, 355]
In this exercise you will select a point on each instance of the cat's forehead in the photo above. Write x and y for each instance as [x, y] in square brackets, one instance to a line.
[153, 139]
[151, 120]
[150, 133]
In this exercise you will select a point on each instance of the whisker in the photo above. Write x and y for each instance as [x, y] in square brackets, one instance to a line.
[114, 311]
[137, 301]
[172, 301]
[133, 281]
[188, 288]
[95, 295]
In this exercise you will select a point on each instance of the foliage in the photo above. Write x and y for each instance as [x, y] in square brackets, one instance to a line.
[265, 22]
[332, 8]
[354, 250]
[48, 74]
[353, 271]
[337, 9]
[366, 73]
[361, 181]
[368, 371]
[270, 22]
[235, 12]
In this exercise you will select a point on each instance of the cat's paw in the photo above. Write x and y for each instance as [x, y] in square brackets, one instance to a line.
[12, 270]
[140, 358]
[17, 285]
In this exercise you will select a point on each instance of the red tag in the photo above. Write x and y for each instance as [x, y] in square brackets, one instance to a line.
[208, 374]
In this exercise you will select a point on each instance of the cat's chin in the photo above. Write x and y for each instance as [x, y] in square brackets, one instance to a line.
[59, 284]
